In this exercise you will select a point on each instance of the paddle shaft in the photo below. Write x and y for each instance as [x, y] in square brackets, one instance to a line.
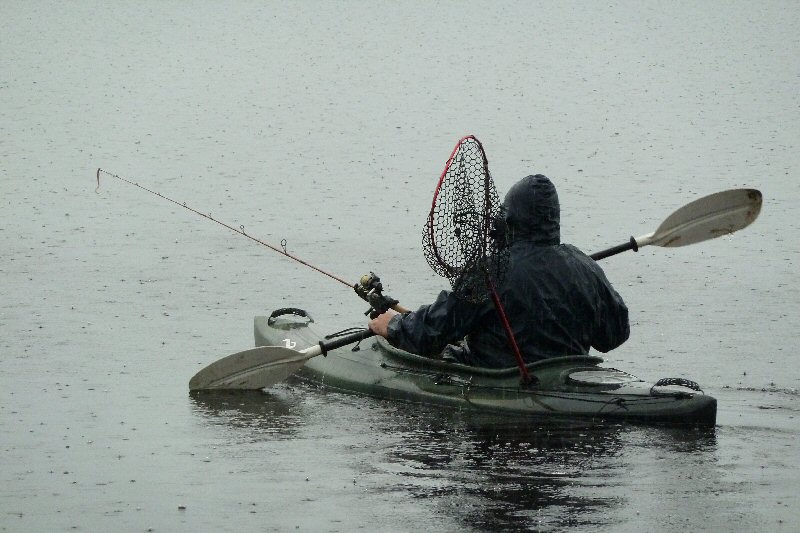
[630, 245]
[327, 345]
[633, 244]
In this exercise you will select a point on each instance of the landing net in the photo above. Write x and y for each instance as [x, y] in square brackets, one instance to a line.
[459, 238]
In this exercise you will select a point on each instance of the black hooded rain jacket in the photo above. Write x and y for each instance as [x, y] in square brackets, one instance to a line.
[557, 299]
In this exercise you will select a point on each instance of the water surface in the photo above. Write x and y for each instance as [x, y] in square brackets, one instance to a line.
[327, 126]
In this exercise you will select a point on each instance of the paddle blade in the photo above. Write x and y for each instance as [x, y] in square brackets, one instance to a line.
[709, 217]
[256, 368]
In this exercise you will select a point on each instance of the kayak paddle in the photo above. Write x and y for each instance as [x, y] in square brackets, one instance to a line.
[264, 366]
[709, 217]
[706, 218]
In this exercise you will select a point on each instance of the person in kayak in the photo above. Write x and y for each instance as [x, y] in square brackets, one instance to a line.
[557, 299]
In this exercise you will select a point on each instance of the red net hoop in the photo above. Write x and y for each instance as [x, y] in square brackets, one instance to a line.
[458, 238]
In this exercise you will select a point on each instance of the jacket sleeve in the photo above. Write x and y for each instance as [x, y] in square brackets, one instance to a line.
[611, 327]
[430, 328]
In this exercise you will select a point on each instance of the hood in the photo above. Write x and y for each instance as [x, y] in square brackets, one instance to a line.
[531, 211]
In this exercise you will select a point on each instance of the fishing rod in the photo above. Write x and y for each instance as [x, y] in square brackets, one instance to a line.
[239, 230]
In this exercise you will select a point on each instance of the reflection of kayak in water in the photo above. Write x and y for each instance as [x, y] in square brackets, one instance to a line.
[574, 387]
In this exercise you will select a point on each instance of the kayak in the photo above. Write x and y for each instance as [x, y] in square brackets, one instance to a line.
[564, 388]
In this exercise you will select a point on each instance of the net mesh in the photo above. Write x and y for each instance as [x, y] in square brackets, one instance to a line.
[459, 238]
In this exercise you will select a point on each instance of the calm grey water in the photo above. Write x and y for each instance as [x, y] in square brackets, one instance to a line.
[327, 124]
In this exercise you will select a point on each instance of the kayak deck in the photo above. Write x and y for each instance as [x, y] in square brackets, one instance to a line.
[574, 387]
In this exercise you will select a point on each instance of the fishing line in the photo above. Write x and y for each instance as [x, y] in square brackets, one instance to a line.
[240, 230]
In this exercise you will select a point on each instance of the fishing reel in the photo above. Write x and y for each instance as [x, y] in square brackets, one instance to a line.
[370, 289]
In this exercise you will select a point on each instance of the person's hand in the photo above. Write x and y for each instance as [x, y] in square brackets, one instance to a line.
[380, 324]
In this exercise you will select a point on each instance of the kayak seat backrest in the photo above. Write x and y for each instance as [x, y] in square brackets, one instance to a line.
[440, 364]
